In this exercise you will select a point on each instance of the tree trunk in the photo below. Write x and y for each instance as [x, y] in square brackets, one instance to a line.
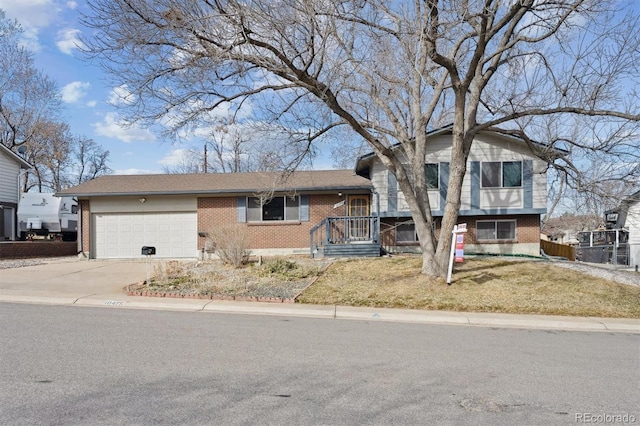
[457, 171]
[437, 266]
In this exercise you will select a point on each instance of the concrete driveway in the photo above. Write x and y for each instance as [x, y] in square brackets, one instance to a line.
[71, 278]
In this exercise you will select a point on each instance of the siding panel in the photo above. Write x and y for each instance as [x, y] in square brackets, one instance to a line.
[8, 180]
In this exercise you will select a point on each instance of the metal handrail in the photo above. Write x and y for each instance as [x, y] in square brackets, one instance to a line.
[344, 230]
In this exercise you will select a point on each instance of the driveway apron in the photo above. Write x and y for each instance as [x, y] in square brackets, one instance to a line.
[80, 278]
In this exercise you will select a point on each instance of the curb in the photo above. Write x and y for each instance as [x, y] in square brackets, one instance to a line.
[544, 322]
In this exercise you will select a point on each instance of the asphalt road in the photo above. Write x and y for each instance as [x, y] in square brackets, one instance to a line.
[91, 366]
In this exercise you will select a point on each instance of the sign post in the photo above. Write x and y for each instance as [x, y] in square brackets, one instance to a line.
[457, 248]
[148, 251]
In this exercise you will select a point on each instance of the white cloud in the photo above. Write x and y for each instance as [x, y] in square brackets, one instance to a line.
[73, 92]
[68, 39]
[134, 172]
[29, 40]
[33, 15]
[113, 126]
[72, 5]
[176, 157]
[91, 104]
[121, 95]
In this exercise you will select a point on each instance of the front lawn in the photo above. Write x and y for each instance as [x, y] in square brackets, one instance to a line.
[507, 285]
[479, 285]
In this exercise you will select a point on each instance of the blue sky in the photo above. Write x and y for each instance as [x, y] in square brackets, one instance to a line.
[52, 32]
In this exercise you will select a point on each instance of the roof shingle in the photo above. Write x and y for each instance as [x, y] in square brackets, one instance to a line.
[218, 183]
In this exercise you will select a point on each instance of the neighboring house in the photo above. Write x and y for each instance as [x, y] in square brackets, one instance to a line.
[633, 225]
[12, 166]
[330, 213]
[504, 193]
[565, 229]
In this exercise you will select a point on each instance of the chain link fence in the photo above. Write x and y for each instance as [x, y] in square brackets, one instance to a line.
[609, 254]
[609, 246]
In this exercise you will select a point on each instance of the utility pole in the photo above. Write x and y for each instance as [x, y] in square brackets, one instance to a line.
[205, 158]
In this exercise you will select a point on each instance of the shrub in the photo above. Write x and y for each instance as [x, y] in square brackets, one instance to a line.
[230, 243]
[286, 270]
[171, 272]
[280, 266]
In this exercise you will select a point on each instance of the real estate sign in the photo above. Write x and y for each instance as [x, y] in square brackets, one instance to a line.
[457, 248]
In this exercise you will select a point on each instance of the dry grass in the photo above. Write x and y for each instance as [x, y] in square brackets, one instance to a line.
[277, 277]
[479, 285]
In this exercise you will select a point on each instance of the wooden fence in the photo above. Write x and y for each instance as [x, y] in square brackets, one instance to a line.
[555, 249]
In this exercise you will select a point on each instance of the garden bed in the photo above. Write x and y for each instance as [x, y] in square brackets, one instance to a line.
[278, 280]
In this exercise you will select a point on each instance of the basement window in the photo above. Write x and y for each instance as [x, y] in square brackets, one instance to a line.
[493, 230]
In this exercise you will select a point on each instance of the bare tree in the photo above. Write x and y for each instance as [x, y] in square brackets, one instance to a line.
[61, 159]
[231, 151]
[190, 161]
[389, 71]
[27, 96]
[91, 160]
[250, 147]
[48, 150]
[29, 108]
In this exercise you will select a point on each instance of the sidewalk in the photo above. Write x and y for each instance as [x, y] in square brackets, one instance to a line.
[69, 282]
[122, 301]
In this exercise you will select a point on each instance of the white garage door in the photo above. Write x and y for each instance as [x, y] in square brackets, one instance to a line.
[122, 235]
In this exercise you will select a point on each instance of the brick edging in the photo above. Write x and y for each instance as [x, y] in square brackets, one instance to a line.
[134, 290]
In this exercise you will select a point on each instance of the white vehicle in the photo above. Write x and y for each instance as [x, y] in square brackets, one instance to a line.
[45, 215]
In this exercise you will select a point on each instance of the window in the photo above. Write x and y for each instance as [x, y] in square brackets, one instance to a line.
[497, 174]
[406, 233]
[496, 230]
[277, 208]
[432, 175]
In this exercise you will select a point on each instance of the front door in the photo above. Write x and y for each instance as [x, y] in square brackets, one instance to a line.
[359, 209]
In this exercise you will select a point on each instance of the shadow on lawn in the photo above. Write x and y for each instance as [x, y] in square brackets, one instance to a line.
[483, 278]
[479, 266]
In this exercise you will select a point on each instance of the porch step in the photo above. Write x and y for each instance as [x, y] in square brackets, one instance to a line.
[349, 250]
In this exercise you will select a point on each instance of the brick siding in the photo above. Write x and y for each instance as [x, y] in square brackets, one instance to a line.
[26, 249]
[267, 235]
[85, 225]
[527, 229]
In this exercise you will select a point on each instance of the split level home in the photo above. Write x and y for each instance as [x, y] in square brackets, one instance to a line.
[358, 212]
[12, 167]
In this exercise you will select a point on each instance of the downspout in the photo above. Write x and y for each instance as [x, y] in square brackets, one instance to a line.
[79, 231]
[20, 174]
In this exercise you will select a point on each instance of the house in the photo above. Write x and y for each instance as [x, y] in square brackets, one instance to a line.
[504, 193]
[564, 229]
[325, 213]
[174, 213]
[12, 167]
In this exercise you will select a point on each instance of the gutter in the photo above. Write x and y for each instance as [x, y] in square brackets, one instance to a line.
[210, 192]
